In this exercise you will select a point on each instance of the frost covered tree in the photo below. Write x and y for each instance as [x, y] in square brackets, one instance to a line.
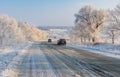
[115, 17]
[111, 33]
[12, 32]
[9, 31]
[113, 28]
[89, 22]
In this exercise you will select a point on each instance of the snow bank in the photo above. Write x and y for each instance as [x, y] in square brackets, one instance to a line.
[9, 73]
[8, 55]
[13, 32]
[104, 49]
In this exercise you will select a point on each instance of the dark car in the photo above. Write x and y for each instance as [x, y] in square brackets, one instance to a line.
[61, 42]
[49, 40]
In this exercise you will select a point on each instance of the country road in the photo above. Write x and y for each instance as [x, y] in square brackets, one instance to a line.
[48, 60]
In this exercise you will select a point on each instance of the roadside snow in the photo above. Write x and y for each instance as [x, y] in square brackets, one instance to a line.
[7, 55]
[14, 48]
[9, 73]
[104, 49]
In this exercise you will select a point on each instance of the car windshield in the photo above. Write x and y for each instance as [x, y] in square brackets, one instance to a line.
[62, 39]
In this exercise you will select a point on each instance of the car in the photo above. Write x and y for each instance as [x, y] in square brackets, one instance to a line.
[49, 40]
[61, 42]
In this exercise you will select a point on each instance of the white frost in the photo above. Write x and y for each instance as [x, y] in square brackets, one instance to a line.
[14, 33]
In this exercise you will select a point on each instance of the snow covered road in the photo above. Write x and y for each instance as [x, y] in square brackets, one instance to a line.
[47, 60]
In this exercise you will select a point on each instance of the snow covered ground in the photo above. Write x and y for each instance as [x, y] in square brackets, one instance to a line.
[8, 54]
[104, 49]
[48, 60]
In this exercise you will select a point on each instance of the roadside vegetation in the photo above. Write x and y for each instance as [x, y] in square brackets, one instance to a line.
[94, 25]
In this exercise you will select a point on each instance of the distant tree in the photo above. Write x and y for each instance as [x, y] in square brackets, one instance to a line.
[112, 35]
[115, 17]
[89, 22]
[113, 28]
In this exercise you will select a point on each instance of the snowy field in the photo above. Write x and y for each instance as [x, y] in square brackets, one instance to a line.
[104, 49]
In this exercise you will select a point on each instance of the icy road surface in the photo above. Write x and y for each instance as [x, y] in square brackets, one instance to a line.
[46, 60]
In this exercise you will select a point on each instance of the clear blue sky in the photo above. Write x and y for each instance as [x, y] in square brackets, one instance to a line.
[49, 12]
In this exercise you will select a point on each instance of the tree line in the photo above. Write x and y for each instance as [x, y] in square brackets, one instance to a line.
[91, 23]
